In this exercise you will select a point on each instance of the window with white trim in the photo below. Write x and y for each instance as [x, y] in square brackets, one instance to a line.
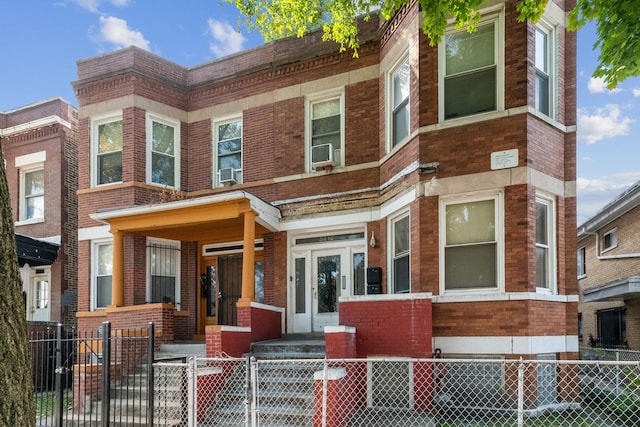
[102, 262]
[227, 142]
[107, 150]
[582, 262]
[163, 152]
[545, 69]
[545, 244]
[399, 88]
[325, 131]
[472, 242]
[472, 69]
[163, 272]
[400, 250]
[610, 240]
[32, 193]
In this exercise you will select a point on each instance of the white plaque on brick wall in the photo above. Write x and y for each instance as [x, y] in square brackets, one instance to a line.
[504, 159]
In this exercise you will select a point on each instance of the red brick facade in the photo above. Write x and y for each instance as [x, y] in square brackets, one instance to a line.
[43, 136]
[348, 211]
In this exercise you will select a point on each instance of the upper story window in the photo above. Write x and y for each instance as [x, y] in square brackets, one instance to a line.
[102, 262]
[545, 69]
[227, 152]
[471, 256]
[398, 82]
[472, 69]
[32, 186]
[325, 124]
[163, 152]
[610, 240]
[400, 266]
[32, 191]
[582, 262]
[107, 150]
[545, 244]
[163, 272]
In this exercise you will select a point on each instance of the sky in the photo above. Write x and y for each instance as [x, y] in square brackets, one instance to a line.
[42, 40]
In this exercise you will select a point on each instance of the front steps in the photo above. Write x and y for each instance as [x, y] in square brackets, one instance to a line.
[286, 388]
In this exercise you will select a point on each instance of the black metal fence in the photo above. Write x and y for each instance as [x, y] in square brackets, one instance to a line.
[74, 373]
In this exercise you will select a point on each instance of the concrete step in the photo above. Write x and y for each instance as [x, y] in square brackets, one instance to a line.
[298, 346]
[180, 350]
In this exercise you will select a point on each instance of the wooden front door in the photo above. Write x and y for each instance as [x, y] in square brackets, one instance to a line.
[229, 288]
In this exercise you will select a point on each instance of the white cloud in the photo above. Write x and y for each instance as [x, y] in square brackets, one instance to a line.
[94, 5]
[594, 194]
[605, 122]
[598, 85]
[226, 40]
[117, 32]
[636, 91]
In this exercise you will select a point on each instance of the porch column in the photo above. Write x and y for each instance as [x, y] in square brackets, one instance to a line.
[249, 258]
[117, 273]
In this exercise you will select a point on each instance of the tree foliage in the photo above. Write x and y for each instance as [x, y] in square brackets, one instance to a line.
[618, 30]
[17, 407]
[618, 23]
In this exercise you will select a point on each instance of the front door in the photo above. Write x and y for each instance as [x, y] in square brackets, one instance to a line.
[39, 298]
[230, 288]
[320, 278]
[329, 281]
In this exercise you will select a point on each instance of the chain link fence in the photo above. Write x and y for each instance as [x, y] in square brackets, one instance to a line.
[398, 392]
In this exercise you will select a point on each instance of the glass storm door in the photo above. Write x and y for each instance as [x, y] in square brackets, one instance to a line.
[39, 299]
[329, 281]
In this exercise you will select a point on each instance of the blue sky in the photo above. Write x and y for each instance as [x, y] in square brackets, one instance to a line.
[42, 40]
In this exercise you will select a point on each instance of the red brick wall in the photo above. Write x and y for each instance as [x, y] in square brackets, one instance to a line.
[390, 327]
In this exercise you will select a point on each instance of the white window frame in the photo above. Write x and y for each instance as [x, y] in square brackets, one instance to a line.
[613, 240]
[498, 198]
[154, 118]
[495, 16]
[94, 271]
[582, 262]
[23, 196]
[175, 246]
[405, 214]
[309, 103]
[215, 125]
[389, 98]
[549, 31]
[551, 233]
[95, 125]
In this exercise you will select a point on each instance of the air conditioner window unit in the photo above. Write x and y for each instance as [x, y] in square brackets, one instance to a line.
[227, 175]
[322, 155]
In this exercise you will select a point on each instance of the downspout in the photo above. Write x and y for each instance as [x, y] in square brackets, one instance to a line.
[606, 257]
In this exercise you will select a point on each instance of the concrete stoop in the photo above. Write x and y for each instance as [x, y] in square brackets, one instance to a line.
[286, 389]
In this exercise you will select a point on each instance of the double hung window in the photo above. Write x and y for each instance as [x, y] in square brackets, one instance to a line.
[582, 262]
[610, 240]
[107, 149]
[228, 152]
[472, 70]
[103, 271]
[325, 130]
[545, 69]
[399, 87]
[545, 244]
[401, 239]
[472, 240]
[32, 201]
[163, 152]
[164, 272]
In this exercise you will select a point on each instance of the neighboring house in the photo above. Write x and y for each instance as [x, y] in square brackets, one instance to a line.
[40, 152]
[609, 274]
[411, 198]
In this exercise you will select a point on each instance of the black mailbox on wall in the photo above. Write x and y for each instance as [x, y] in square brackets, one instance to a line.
[374, 280]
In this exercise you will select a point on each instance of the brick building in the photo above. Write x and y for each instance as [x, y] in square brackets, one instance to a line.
[40, 152]
[609, 274]
[428, 192]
